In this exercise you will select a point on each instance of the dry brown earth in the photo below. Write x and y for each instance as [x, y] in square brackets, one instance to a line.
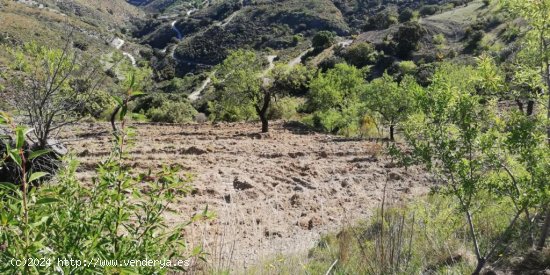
[273, 193]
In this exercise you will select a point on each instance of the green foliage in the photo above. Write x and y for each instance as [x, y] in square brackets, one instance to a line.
[423, 236]
[112, 219]
[293, 81]
[459, 134]
[439, 39]
[284, 108]
[96, 104]
[56, 82]
[429, 10]
[173, 112]
[391, 100]
[162, 107]
[322, 40]
[406, 15]
[238, 87]
[381, 21]
[360, 55]
[334, 99]
[408, 37]
[407, 68]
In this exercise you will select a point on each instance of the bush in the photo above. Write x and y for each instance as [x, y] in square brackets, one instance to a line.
[429, 10]
[323, 40]
[334, 99]
[407, 67]
[406, 15]
[96, 104]
[439, 39]
[284, 108]
[330, 63]
[360, 55]
[381, 21]
[173, 112]
[475, 40]
[408, 36]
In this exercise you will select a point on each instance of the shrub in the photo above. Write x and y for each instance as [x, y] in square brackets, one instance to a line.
[96, 104]
[381, 21]
[424, 236]
[291, 81]
[439, 39]
[284, 108]
[474, 42]
[406, 15]
[330, 63]
[429, 10]
[172, 112]
[360, 55]
[408, 36]
[323, 40]
[334, 99]
[407, 68]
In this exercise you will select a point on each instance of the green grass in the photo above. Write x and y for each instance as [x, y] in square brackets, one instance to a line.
[429, 235]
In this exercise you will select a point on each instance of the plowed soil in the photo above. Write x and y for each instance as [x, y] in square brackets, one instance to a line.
[272, 193]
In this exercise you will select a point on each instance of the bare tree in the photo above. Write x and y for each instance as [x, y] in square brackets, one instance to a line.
[48, 87]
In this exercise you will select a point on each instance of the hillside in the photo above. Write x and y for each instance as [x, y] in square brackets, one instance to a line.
[275, 137]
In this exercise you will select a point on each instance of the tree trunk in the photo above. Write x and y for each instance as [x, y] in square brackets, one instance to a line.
[530, 107]
[262, 112]
[392, 128]
[546, 226]
[265, 123]
[520, 106]
[479, 267]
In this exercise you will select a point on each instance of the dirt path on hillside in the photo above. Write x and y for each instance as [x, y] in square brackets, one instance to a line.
[273, 193]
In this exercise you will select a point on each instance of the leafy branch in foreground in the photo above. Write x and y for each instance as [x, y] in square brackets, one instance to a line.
[119, 217]
[479, 151]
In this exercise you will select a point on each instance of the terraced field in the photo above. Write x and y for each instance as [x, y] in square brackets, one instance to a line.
[273, 193]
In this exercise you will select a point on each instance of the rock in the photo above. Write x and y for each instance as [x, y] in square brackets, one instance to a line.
[84, 153]
[395, 176]
[57, 147]
[227, 198]
[296, 155]
[295, 200]
[241, 184]
[303, 183]
[309, 223]
[193, 151]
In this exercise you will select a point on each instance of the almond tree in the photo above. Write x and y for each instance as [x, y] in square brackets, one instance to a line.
[535, 60]
[392, 100]
[479, 153]
[49, 86]
[241, 88]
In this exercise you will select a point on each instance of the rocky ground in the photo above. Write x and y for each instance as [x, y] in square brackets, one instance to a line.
[272, 193]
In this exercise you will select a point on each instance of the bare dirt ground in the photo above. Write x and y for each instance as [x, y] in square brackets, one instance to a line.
[273, 193]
